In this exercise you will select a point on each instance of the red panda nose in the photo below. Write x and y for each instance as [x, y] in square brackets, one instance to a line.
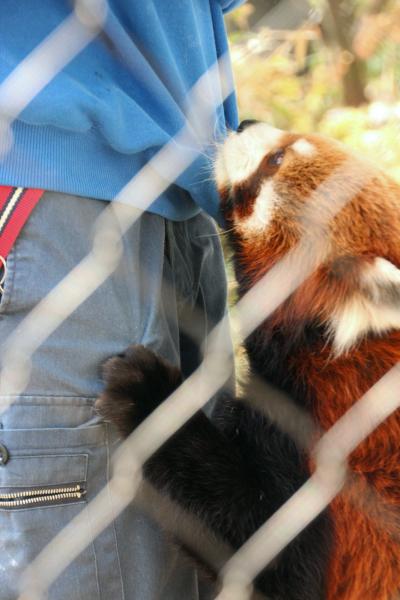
[244, 124]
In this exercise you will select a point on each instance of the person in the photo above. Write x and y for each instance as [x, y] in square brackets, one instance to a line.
[82, 138]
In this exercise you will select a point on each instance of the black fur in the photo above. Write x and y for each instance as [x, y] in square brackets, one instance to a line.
[269, 354]
[232, 473]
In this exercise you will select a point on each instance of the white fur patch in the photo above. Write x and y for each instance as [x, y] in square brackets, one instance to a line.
[373, 309]
[304, 147]
[358, 317]
[263, 210]
[379, 275]
[242, 153]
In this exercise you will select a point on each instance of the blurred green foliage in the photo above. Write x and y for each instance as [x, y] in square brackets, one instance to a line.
[297, 85]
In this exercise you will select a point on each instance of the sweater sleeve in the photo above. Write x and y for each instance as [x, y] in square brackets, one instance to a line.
[228, 5]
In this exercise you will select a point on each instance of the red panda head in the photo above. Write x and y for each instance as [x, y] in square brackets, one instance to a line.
[274, 187]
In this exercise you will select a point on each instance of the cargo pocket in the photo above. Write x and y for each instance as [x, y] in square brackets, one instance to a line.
[61, 480]
[40, 492]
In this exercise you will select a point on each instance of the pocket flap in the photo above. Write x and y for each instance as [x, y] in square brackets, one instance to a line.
[17, 440]
[23, 471]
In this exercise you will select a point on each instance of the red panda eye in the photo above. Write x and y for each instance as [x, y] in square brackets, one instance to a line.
[276, 159]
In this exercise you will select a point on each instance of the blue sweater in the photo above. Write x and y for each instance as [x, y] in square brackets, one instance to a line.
[97, 123]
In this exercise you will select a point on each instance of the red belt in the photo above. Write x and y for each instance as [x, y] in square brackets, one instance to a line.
[16, 204]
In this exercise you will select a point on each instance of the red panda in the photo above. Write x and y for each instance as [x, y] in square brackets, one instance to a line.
[325, 345]
[338, 333]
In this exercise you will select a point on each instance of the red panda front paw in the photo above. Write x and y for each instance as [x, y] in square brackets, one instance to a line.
[136, 382]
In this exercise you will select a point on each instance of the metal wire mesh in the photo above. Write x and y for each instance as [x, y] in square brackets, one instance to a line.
[333, 449]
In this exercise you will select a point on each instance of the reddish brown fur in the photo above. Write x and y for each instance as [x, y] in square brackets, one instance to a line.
[365, 563]
[366, 556]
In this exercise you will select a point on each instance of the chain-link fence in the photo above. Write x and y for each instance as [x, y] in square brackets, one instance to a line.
[237, 570]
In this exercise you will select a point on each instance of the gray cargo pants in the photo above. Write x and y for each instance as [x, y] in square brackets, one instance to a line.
[51, 433]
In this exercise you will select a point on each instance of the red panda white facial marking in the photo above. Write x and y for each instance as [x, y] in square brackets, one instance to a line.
[263, 211]
[242, 153]
[304, 147]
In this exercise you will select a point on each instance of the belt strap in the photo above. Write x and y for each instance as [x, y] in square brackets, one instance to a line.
[16, 204]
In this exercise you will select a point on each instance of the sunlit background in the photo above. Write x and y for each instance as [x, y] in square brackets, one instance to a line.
[328, 66]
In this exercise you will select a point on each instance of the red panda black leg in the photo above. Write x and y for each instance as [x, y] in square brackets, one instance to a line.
[232, 474]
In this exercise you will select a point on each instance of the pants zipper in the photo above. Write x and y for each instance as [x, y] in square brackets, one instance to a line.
[36, 496]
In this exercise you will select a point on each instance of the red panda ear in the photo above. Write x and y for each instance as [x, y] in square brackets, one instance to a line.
[372, 307]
